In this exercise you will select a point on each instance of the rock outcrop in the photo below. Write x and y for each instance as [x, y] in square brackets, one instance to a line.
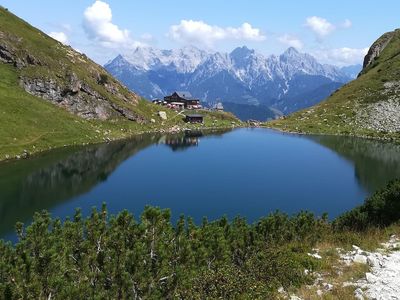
[383, 280]
[377, 48]
[77, 97]
[11, 55]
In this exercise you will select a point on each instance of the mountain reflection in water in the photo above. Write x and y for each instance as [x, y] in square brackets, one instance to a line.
[42, 182]
[375, 162]
[246, 171]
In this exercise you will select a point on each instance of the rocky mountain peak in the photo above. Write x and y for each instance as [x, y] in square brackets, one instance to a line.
[241, 52]
[291, 51]
[293, 55]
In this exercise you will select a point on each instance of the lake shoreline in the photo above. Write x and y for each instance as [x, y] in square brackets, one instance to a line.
[169, 130]
[215, 168]
[366, 137]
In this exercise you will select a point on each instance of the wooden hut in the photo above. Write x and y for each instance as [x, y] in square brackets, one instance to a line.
[194, 118]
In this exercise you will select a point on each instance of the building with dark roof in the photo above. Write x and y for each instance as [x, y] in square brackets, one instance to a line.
[185, 98]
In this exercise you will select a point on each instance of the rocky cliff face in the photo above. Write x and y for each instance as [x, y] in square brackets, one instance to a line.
[377, 48]
[79, 98]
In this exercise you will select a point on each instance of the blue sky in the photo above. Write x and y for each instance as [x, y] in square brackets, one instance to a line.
[337, 32]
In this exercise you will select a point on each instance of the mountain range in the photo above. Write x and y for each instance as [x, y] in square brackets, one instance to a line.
[287, 83]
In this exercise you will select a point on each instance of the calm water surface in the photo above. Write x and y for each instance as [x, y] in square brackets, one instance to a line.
[247, 172]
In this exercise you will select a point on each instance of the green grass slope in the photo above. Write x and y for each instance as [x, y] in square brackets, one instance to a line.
[368, 106]
[30, 124]
[37, 56]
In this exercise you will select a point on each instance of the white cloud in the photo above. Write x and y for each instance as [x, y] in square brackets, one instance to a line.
[291, 41]
[195, 32]
[99, 27]
[59, 36]
[320, 26]
[341, 56]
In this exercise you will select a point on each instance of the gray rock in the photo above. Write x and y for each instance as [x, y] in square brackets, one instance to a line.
[371, 278]
[377, 48]
[327, 286]
[78, 98]
[5, 54]
[361, 259]
[359, 294]
[372, 261]
[162, 115]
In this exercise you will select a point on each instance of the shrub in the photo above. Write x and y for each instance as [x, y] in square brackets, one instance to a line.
[117, 257]
[381, 209]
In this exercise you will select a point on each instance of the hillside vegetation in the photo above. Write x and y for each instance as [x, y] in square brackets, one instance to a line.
[367, 106]
[52, 96]
[118, 257]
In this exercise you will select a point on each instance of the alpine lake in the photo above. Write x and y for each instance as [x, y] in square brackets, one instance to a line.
[246, 172]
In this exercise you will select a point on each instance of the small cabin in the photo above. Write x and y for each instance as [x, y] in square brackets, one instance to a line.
[194, 119]
[184, 99]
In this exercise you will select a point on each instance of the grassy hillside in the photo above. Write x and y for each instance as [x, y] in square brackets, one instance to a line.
[367, 106]
[36, 56]
[51, 96]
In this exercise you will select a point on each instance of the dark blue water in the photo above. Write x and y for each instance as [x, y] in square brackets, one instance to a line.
[247, 172]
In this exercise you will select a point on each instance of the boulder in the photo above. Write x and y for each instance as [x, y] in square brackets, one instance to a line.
[361, 259]
[74, 85]
[162, 115]
[315, 255]
[327, 286]
[372, 261]
[371, 278]
[359, 294]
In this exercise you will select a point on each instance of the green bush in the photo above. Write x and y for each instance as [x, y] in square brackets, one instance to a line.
[117, 257]
[380, 210]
